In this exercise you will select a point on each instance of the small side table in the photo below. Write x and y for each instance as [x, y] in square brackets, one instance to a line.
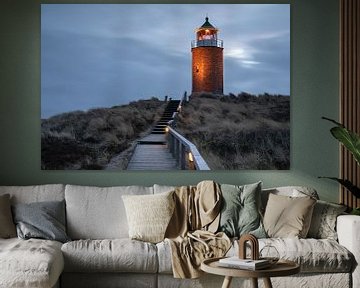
[281, 268]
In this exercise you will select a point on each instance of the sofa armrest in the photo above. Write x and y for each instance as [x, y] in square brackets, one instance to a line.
[348, 230]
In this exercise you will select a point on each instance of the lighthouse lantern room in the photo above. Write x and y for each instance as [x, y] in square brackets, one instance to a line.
[207, 60]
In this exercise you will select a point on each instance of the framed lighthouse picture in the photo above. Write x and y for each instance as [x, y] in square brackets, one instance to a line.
[165, 87]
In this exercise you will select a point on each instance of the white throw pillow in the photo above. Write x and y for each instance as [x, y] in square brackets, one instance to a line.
[149, 215]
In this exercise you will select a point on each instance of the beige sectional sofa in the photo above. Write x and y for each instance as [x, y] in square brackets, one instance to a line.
[102, 255]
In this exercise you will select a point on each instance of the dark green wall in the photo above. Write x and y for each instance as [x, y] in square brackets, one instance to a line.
[314, 93]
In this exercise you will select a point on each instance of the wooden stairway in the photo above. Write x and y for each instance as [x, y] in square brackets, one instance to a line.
[151, 152]
[170, 109]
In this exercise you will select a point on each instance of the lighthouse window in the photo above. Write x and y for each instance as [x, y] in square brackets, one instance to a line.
[206, 35]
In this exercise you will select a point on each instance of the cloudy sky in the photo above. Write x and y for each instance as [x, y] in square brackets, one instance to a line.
[101, 55]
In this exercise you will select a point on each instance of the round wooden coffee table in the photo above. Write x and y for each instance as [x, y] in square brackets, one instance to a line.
[281, 268]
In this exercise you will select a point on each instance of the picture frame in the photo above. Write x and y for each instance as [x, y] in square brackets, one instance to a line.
[165, 87]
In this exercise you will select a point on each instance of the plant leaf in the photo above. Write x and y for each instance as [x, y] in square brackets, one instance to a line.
[349, 139]
[333, 121]
[347, 184]
[355, 211]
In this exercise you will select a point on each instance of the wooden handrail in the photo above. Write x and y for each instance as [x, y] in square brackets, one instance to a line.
[183, 150]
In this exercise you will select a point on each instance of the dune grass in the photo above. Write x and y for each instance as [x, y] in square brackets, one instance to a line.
[239, 131]
[231, 132]
[88, 140]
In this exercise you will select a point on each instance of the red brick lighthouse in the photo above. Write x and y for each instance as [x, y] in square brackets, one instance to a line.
[207, 60]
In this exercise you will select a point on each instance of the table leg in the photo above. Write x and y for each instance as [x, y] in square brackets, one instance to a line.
[267, 283]
[254, 282]
[227, 282]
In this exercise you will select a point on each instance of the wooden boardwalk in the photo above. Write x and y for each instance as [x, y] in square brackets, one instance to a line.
[153, 139]
[151, 152]
[152, 157]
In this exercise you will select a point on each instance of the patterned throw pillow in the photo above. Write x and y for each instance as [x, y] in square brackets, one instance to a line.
[288, 217]
[240, 213]
[7, 226]
[149, 215]
[323, 223]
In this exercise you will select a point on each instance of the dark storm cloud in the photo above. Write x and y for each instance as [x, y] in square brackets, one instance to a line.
[105, 55]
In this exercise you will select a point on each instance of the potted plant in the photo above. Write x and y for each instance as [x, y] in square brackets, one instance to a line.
[351, 141]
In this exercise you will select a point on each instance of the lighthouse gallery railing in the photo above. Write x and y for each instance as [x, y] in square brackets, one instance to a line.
[207, 43]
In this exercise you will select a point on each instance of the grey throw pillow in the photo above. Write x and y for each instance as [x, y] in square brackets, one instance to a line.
[7, 226]
[44, 220]
[240, 213]
[323, 222]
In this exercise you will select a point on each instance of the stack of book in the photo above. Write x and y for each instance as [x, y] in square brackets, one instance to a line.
[248, 264]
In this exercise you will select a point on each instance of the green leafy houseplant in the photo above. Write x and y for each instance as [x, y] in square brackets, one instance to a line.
[351, 141]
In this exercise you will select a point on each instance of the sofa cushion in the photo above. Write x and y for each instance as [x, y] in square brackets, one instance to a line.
[323, 222]
[43, 220]
[36, 193]
[98, 213]
[116, 255]
[163, 188]
[7, 226]
[313, 255]
[164, 257]
[287, 216]
[30, 263]
[149, 215]
[240, 210]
